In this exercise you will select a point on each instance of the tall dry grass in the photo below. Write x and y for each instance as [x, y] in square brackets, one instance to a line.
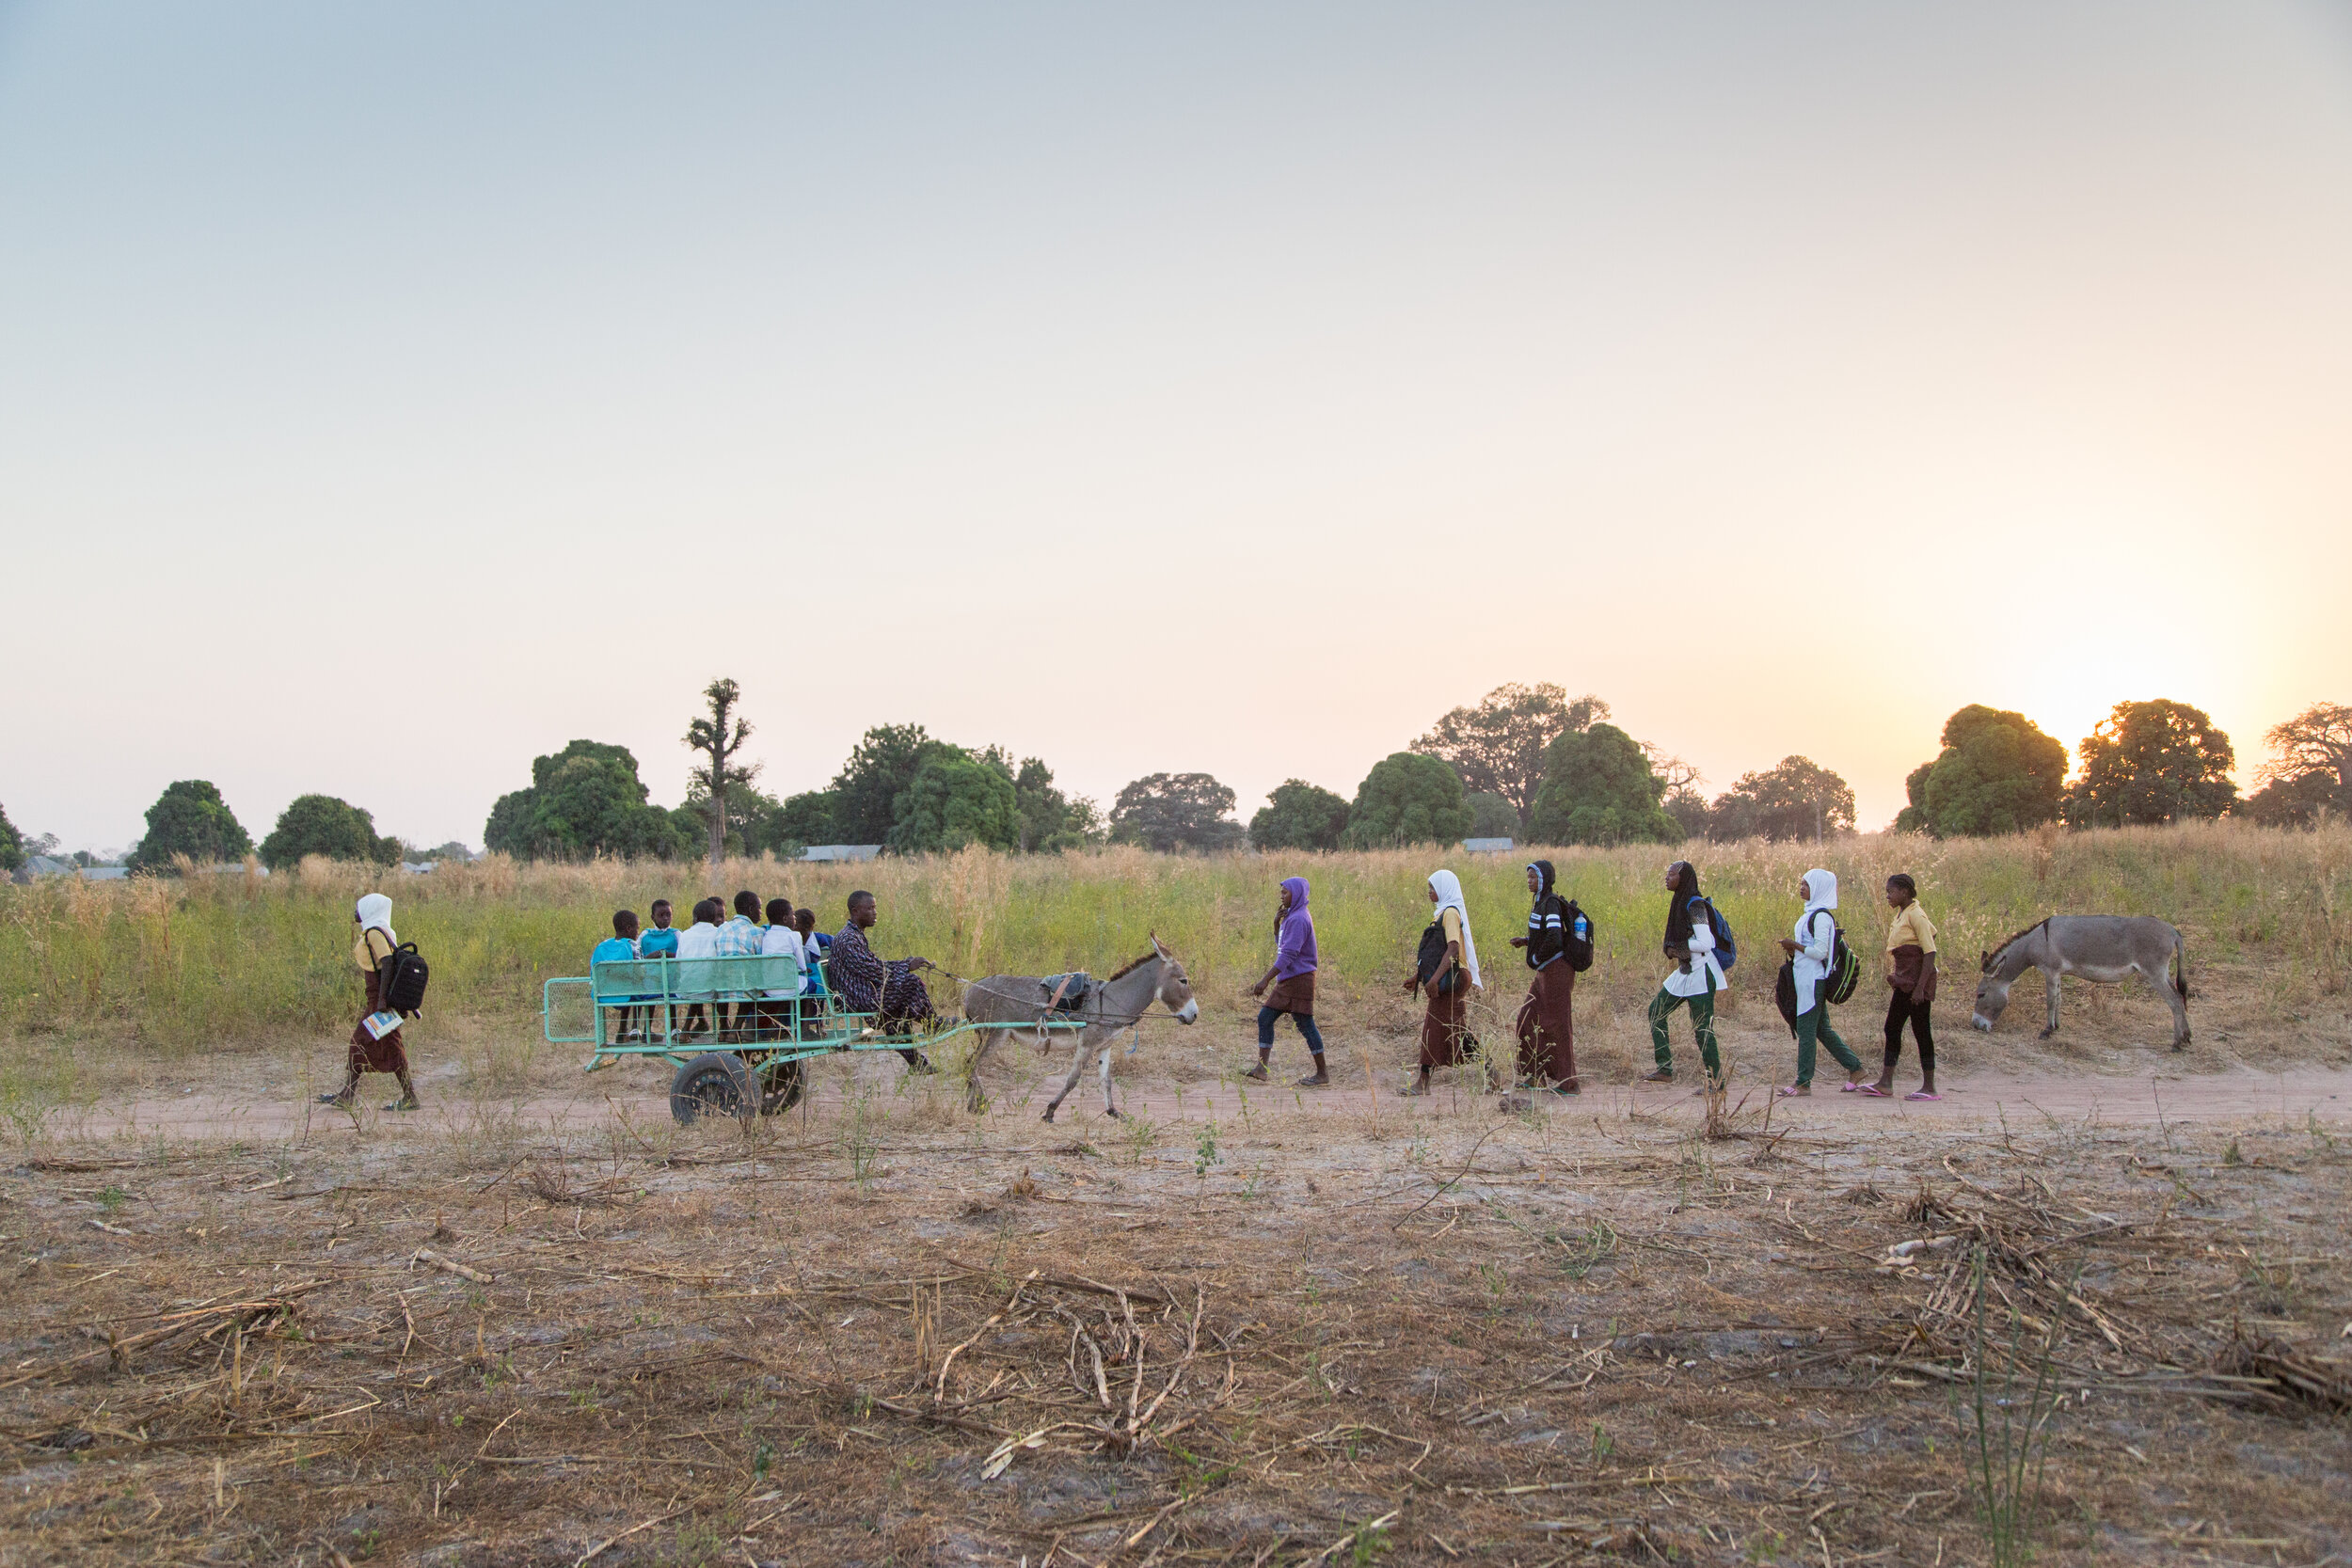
[227, 960]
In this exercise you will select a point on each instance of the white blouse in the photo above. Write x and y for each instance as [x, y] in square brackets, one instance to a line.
[1704, 968]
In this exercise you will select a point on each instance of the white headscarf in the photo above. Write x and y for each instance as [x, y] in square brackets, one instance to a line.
[1821, 889]
[1448, 887]
[375, 914]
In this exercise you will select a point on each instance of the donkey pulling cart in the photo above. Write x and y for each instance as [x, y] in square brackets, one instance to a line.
[738, 1028]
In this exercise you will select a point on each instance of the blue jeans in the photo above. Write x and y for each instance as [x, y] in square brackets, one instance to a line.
[1306, 1023]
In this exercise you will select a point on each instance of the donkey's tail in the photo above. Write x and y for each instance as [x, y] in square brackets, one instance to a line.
[2180, 964]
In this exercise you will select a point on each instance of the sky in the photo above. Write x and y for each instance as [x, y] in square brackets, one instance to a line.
[391, 394]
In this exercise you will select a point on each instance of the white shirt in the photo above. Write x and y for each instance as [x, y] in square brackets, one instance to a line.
[1815, 934]
[784, 938]
[1703, 965]
[697, 941]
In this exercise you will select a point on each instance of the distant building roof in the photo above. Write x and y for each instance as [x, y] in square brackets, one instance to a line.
[40, 865]
[841, 851]
[1486, 845]
[104, 873]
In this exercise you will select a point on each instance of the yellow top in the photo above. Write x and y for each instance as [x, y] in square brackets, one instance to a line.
[372, 948]
[1912, 929]
[1450, 919]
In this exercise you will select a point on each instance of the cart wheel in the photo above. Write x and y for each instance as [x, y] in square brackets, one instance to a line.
[715, 1083]
[779, 1088]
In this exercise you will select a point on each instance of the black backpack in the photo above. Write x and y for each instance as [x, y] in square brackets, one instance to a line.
[1431, 954]
[401, 975]
[1845, 970]
[1579, 948]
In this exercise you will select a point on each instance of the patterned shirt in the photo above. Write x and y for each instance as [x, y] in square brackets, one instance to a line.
[866, 984]
[738, 938]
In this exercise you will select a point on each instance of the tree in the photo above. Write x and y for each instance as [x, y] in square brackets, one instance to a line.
[1299, 816]
[11, 843]
[1408, 797]
[1175, 810]
[807, 818]
[1691, 811]
[955, 800]
[2152, 762]
[190, 818]
[1997, 773]
[1492, 816]
[866, 791]
[1598, 788]
[323, 825]
[584, 801]
[710, 735]
[1795, 798]
[2310, 769]
[1499, 745]
[1049, 820]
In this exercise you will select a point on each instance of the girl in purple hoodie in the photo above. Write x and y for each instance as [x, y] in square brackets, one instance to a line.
[1292, 979]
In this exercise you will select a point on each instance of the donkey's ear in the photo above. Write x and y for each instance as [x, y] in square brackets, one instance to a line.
[1984, 961]
[1161, 950]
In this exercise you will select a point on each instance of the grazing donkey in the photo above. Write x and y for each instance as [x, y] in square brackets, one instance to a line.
[1017, 1002]
[2101, 948]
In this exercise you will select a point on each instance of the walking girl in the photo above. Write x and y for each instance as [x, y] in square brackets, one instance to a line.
[371, 1051]
[1809, 952]
[1694, 979]
[1911, 987]
[1293, 977]
[1446, 969]
[1547, 1024]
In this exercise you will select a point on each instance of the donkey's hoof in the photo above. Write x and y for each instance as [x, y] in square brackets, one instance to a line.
[1048, 1116]
[1114, 1113]
[2046, 1034]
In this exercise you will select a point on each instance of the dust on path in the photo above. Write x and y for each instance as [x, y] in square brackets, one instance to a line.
[2295, 1096]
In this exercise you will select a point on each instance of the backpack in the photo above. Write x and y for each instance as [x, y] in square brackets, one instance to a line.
[1432, 953]
[1575, 934]
[1726, 944]
[1845, 970]
[400, 976]
[1785, 993]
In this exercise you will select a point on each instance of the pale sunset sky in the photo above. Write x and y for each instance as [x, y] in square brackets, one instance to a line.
[392, 393]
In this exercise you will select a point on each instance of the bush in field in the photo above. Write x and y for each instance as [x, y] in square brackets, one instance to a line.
[189, 819]
[1408, 797]
[1997, 773]
[1598, 788]
[323, 825]
[11, 843]
[1175, 810]
[1498, 746]
[584, 801]
[2309, 771]
[1796, 797]
[955, 800]
[2151, 763]
[1299, 816]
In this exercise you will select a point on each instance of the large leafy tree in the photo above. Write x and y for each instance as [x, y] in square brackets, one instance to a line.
[1176, 811]
[2309, 771]
[1997, 773]
[1408, 797]
[11, 843]
[806, 818]
[1497, 746]
[1492, 817]
[1299, 816]
[866, 791]
[1599, 788]
[584, 801]
[719, 736]
[2152, 762]
[189, 819]
[323, 825]
[1049, 818]
[1795, 798]
[956, 799]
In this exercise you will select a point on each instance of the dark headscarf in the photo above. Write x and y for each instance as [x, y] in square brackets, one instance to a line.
[1543, 878]
[1679, 904]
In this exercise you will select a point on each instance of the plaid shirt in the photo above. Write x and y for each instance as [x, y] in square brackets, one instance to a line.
[738, 938]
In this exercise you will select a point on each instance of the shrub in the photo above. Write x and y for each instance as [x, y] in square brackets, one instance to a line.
[1408, 799]
[1997, 773]
[584, 800]
[190, 818]
[1299, 816]
[955, 800]
[1598, 788]
[1175, 810]
[2151, 763]
[323, 825]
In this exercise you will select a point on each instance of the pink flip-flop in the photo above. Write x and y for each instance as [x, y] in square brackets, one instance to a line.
[1848, 1087]
[1922, 1094]
[1788, 1092]
[1872, 1090]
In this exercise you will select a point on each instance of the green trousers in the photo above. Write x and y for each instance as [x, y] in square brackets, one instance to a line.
[1702, 1026]
[1814, 1025]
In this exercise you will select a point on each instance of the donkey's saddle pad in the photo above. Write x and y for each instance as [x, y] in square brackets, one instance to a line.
[1073, 993]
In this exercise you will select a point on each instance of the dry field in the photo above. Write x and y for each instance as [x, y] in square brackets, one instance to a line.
[1346, 1330]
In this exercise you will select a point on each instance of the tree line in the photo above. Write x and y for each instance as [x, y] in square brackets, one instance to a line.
[1525, 762]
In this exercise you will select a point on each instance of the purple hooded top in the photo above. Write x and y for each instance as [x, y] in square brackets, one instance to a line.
[1295, 937]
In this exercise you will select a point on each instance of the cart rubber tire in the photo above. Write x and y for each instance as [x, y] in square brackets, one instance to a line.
[715, 1083]
[779, 1088]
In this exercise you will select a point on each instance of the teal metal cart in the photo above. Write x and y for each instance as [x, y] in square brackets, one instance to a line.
[737, 1028]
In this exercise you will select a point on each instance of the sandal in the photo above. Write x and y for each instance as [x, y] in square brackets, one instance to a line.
[1791, 1091]
[1922, 1094]
[1849, 1086]
[1663, 1076]
[1870, 1089]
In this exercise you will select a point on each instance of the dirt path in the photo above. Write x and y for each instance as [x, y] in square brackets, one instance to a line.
[2293, 1097]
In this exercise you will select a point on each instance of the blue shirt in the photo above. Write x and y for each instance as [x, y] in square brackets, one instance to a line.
[659, 943]
[613, 950]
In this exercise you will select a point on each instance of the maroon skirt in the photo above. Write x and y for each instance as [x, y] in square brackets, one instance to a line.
[1547, 1026]
[1445, 1037]
[375, 1055]
[1295, 996]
